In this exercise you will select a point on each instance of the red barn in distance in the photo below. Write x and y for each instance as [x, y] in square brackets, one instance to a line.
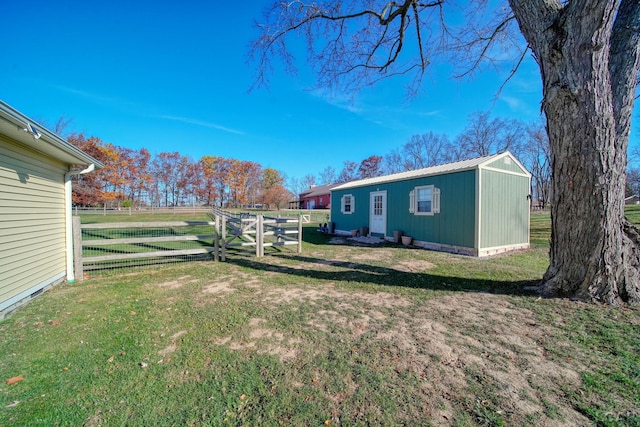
[316, 197]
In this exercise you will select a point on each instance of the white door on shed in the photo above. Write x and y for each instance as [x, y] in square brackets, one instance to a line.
[378, 212]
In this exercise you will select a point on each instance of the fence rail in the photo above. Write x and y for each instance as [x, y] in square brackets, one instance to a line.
[140, 211]
[98, 246]
[246, 229]
[111, 245]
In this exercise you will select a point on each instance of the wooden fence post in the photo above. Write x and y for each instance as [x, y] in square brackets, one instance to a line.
[300, 234]
[258, 239]
[278, 230]
[77, 248]
[260, 236]
[224, 238]
[216, 238]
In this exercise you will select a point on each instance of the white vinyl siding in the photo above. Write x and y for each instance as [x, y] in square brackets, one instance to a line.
[32, 226]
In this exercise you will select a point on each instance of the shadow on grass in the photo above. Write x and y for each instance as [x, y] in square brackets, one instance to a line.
[357, 272]
[120, 266]
[313, 236]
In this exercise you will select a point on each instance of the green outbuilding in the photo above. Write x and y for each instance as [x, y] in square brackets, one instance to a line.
[477, 207]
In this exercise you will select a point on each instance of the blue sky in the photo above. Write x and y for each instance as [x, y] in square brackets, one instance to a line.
[174, 76]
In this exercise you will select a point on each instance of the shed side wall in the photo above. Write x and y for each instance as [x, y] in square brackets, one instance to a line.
[507, 164]
[453, 226]
[32, 226]
[505, 209]
[360, 215]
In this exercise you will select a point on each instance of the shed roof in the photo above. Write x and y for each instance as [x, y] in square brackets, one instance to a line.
[318, 191]
[460, 166]
[18, 126]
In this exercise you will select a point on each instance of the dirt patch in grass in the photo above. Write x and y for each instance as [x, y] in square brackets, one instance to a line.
[230, 283]
[217, 288]
[328, 292]
[413, 266]
[479, 342]
[453, 346]
[264, 340]
[171, 348]
[177, 283]
[373, 254]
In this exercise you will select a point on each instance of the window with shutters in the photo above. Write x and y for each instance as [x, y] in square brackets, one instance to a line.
[347, 204]
[424, 200]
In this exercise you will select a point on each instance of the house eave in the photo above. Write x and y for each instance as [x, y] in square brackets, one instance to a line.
[15, 125]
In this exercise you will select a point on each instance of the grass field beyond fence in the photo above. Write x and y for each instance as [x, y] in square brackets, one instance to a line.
[340, 335]
[175, 241]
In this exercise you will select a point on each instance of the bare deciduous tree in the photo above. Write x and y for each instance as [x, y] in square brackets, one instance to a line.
[393, 162]
[633, 182]
[483, 135]
[328, 175]
[588, 53]
[295, 187]
[426, 150]
[348, 172]
[536, 156]
[308, 181]
[62, 125]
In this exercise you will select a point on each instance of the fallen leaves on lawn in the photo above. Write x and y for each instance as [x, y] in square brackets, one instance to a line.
[15, 380]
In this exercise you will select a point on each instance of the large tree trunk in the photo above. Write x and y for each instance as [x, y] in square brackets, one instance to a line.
[595, 252]
[590, 255]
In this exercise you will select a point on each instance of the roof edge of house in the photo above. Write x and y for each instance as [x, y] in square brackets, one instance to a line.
[23, 122]
[430, 171]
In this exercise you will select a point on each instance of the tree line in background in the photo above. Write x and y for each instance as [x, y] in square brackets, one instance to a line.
[482, 136]
[138, 179]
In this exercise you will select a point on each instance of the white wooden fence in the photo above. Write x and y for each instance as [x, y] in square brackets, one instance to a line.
[228, 230]
[243, 229]
[133, 246]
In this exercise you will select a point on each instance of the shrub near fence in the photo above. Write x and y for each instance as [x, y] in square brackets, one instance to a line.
[128, 244]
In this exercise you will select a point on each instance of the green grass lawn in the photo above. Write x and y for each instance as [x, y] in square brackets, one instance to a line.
[341, 334]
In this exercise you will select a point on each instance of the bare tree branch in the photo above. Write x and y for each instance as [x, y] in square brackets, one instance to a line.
[485, 44]
[511, 73]
[356, 48]
[353, 45]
